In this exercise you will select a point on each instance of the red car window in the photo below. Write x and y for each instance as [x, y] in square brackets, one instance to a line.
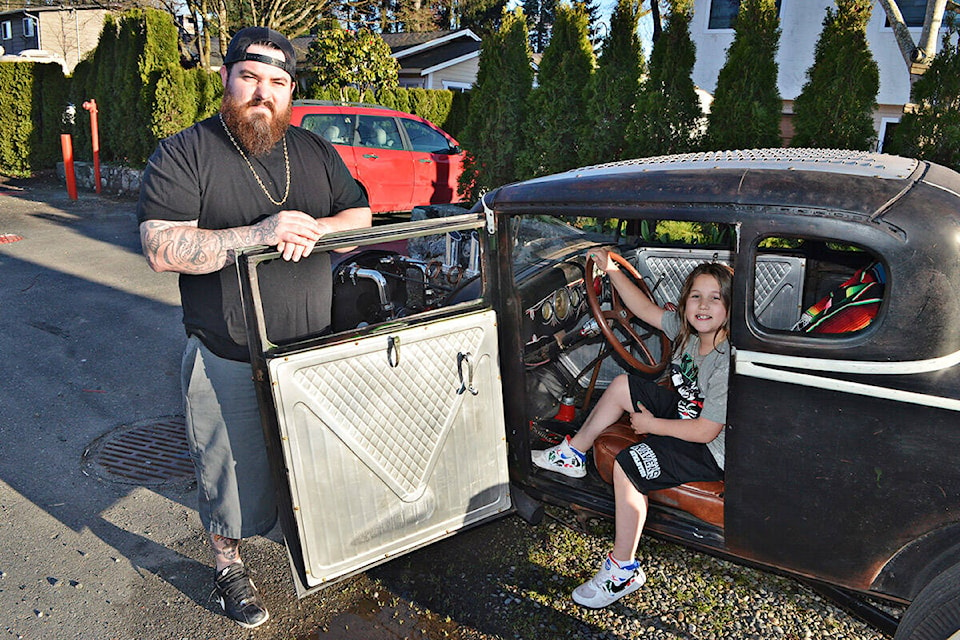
[424, 138]
[379, 132]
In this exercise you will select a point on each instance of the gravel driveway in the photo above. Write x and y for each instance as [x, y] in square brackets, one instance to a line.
[512, 580]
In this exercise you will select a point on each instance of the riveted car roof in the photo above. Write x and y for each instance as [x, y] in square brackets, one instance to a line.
[860, 184]
[856, 163]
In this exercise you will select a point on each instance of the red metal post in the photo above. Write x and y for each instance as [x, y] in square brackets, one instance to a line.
[91, 106]
[66, 145]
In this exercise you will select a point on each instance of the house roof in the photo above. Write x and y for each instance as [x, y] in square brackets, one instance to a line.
[416, 52]
[42, 9]
[401, 41]
[403, 45]
[430, 51]
[301, 45]
[439, 56]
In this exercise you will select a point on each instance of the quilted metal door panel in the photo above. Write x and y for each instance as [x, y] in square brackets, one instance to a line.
[387, 446]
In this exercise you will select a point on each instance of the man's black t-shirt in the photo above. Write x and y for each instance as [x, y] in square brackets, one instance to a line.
[199, 175]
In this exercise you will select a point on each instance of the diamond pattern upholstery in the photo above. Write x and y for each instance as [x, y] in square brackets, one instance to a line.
[400, 435]
[768, 279]
[776, 286]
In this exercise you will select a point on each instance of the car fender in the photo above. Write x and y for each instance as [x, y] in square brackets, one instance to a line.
[919, 562]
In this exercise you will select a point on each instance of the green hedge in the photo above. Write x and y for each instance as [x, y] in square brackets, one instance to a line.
[134, 75]
[32, 99]
[133, 53]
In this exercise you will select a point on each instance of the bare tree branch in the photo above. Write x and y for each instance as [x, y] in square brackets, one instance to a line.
[917, 56]
[931, 30]
[900, 30]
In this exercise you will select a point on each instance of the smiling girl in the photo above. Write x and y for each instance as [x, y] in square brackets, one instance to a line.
[684, 426]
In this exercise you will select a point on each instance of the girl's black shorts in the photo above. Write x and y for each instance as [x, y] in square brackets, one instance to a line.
[661, 462]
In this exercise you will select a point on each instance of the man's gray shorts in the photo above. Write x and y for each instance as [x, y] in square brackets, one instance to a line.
[234, 486]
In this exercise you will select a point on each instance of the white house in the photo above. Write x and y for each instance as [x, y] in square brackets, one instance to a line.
[61, 34]
[436, 60]
[800, 24]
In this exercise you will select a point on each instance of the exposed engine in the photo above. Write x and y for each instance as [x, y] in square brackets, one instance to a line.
[378, 285]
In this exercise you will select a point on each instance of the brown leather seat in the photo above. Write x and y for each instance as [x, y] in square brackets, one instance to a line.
[701, 499]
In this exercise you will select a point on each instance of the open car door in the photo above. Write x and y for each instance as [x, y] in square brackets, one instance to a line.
[373, 432]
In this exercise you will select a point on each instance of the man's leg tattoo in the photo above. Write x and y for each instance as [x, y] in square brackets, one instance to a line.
[226, 550]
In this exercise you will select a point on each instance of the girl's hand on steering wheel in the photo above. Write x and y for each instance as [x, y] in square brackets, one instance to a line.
[602, 259]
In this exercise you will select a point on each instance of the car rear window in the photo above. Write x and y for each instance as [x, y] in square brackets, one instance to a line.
[831, 287]
[424, 138]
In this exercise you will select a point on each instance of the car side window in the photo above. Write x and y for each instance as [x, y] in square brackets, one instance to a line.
[380, 132]
[424, 138]
[817, 287]
[335, 127]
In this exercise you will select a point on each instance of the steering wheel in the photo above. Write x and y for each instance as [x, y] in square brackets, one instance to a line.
[621, 315]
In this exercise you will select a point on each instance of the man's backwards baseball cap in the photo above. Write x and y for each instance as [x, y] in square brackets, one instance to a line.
[237, 51]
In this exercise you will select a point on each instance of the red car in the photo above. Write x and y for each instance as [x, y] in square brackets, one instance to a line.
[399, 159]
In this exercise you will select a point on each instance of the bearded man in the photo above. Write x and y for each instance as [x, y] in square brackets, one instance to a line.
[243, 177]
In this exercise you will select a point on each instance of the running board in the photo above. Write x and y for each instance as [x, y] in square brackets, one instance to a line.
[857, 606]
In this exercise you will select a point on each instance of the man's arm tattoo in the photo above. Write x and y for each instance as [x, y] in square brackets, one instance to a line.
[187, 249]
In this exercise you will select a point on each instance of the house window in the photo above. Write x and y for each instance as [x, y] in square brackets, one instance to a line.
[28, 28]
[456, 86]
[724, 12]
[913, 11]
[6, 32]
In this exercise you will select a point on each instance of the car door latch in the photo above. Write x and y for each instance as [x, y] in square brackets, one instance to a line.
[468, 385]
[393, 352]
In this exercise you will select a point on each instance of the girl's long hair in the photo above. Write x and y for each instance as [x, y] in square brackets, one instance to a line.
[724, 276]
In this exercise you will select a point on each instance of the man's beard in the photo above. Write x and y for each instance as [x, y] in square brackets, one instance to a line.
[257, 133]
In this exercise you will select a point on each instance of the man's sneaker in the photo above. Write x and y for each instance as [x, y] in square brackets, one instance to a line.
[609, 584]
[238, 596]
[563, 459]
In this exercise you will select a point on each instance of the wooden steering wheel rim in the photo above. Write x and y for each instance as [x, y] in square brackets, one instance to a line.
[623, 316]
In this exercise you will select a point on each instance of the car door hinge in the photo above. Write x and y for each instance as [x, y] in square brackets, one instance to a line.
[488, 212]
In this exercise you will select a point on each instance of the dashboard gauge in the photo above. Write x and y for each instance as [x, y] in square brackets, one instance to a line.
[561, 302]
[575, 296]
[546, 312]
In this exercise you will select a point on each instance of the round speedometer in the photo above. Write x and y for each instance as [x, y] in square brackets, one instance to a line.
[561, 302]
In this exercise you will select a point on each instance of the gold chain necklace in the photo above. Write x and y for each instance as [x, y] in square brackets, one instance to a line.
[286, 161]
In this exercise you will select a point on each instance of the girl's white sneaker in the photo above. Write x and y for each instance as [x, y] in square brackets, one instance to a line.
[609, 584]
[563, 459]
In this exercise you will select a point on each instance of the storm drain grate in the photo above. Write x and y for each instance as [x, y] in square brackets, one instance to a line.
[7, 238]
[150, 453]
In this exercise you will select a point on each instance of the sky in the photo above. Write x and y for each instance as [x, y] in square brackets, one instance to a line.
[645, 29]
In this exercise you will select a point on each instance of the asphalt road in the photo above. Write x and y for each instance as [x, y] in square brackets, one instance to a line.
[90, 341]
